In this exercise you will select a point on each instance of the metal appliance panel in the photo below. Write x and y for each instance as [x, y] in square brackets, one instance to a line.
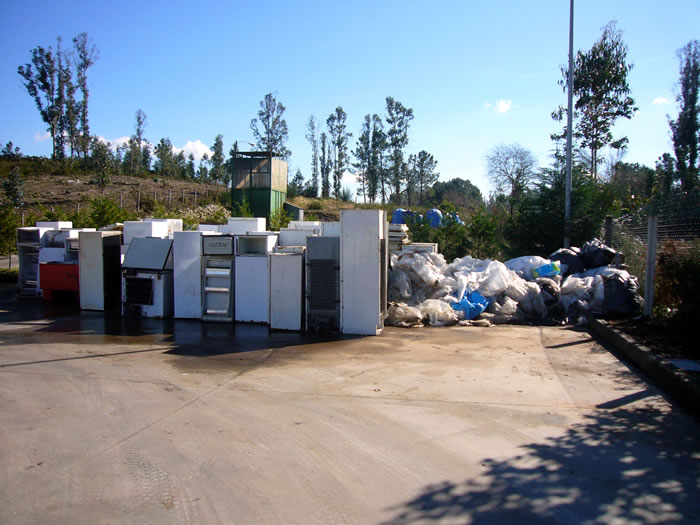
[286, 291]
[323, 284]
[149, 254]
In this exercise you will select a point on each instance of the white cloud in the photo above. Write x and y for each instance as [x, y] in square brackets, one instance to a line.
[197, 148]
[113, 143]
[42, 137]
[503, 105]
[500, 106]
[661, 100]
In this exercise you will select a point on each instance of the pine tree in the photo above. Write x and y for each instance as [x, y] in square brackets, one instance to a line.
[217, 160]
[13, 186]
[425, 174]
[190, 170]
[165, 161]
[296, 187]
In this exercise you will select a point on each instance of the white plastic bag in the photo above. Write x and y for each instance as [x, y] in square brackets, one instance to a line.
[400, 314]
[523, 266]
[496, 279]
[438, 313]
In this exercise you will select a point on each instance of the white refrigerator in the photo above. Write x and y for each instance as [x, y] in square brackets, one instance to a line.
[286, 291]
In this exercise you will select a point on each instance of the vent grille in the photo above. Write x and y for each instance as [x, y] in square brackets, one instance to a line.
[324, 293]
[28, 236]
[139, 290]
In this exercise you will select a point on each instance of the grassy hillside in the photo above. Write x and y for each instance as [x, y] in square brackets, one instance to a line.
[48, 184]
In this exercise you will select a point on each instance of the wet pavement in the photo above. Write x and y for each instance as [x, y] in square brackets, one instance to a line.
[112, 420]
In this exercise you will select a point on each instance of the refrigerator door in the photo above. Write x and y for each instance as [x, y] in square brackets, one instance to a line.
[187, 274]
[286, 291]
[252, 289]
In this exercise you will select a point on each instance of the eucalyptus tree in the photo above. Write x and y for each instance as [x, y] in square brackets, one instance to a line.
[312, 137]
[602, 93]
[398, 119]
[325, 167]
[337, 129]
[363, 155]
[270, 128]
[87, 55]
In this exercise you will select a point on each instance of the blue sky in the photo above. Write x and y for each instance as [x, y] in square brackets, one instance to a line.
[477, 74]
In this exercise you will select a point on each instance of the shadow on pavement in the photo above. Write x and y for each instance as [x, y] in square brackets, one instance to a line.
[619, 466]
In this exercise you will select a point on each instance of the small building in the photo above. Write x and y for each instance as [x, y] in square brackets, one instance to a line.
[260, 177]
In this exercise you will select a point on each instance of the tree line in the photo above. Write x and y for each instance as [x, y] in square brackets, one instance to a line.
[379, 163]
[378, 160]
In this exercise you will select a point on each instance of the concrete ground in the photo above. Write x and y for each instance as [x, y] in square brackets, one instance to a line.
[104, 420]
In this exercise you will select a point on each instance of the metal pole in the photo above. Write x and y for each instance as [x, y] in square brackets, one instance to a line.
[569, 125]
[651, 265]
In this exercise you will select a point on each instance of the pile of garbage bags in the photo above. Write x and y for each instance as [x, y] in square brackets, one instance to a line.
[423, 288]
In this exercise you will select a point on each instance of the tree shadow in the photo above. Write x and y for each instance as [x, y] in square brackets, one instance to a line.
[626, 465]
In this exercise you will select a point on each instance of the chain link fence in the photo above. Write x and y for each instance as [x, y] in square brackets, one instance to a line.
[677, 233]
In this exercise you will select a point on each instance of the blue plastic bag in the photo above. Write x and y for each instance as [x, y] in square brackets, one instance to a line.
[472, 304]
[397, 216]
[434, 217]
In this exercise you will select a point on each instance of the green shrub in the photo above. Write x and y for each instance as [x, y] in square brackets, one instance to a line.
[9, 275]
[677, 285]
[315, 204]
[279, 219]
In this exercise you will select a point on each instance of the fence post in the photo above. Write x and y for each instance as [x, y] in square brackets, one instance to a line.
[170, 195]
[651, 265]
[608, 230]
[22, 218]
[138, 201]
[78, 207]
[155, 196]
[121, 195]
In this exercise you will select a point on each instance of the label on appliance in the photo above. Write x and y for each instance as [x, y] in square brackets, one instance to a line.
[217, 245]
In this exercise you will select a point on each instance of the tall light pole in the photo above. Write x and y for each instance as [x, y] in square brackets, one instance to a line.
[569, 126]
